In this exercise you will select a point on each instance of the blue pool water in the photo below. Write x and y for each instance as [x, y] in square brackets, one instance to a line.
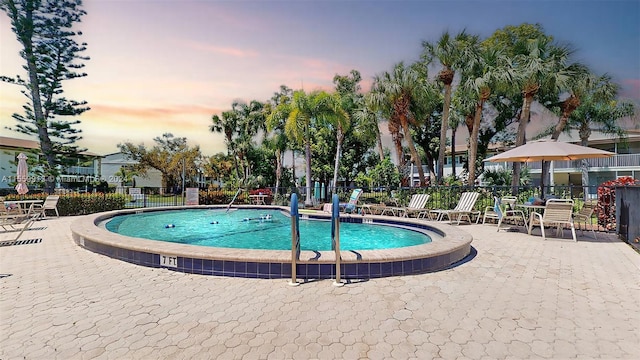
[257, 229]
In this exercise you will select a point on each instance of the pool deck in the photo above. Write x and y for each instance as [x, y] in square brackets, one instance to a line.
[520, 297]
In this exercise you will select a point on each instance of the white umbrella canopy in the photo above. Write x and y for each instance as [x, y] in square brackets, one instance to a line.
[547, 150]
[21, 175]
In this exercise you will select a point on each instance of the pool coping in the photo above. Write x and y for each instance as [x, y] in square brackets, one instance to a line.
[436, 255]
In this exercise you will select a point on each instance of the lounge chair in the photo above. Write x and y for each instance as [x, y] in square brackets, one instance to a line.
[464, 209]
[584, 216]
[50, 203]
[557, 212]
[507, 214]
[15, 222]
[417, 205]
[352, 205]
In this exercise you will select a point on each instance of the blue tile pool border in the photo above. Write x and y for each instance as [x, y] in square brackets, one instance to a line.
[124, 248]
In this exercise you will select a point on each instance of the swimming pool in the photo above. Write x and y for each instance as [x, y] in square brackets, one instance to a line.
[258, 229]
[449, 246]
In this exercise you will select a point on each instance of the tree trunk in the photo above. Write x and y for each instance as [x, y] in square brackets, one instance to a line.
[568, 106]
[379, 145]
[278, 169]
[443, 131]
[307, 156]
[453, 151]
[414, 153]
[520, 140]
[473, 143]
[336, 167]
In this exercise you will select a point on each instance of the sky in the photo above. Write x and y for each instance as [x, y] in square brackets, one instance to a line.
[166, 66]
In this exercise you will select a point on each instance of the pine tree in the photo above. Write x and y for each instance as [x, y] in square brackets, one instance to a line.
[51, 55]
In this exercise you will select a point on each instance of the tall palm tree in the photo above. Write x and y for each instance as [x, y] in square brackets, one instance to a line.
[598, 110]
[340, 119]
[400, 89]
[488, 69]
[251, 120]
[540, 66]
[227, 124]
[304, 110]
[378, 101]
[450, 52]
[275, 121]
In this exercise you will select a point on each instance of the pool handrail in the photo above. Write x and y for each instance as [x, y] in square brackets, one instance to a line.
[234, 199]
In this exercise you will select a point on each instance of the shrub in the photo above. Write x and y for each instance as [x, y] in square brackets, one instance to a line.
[607, 201]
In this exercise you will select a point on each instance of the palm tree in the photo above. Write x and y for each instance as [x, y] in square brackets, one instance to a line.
[339, 118]
[378, 102]
[303, 111]
[227, 124]
[275, 121]
[450, 52]
[399, 90]
[366, 121]
[539, 67]
[488, 69]
[251, 120]
[598, 110]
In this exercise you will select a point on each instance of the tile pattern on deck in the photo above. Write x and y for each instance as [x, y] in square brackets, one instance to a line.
[519, 298]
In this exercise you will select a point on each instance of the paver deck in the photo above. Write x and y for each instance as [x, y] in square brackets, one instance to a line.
[520, 297]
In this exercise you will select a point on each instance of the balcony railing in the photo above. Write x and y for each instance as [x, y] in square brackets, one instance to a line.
[79, 170]
[624, 160]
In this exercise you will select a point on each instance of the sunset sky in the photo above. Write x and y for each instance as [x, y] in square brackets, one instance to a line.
[167, 66]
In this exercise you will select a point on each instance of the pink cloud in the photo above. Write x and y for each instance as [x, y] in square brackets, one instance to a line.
[631, 89]
[230, 51]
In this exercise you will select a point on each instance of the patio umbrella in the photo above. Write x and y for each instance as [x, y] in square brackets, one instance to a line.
[21, 175]
[548, 150]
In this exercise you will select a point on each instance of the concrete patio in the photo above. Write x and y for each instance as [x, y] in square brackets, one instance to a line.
[520, 297]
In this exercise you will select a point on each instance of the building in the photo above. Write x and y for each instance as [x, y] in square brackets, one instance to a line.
[626, 162]
[111, 165]
[80, 176]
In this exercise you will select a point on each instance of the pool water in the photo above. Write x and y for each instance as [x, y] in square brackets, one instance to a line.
[257, 229]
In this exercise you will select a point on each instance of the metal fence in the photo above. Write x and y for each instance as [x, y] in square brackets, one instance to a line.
[441, 197]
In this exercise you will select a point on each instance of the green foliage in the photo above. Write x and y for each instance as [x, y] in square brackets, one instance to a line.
[171, 156]
[218, 197]
[385, 174]
[51, 55]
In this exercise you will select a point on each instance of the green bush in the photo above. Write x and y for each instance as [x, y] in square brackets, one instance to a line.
[82, 204]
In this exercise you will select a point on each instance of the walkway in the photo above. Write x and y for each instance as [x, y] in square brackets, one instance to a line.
[519, 298]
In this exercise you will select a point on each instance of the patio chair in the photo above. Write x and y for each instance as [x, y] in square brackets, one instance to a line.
[505, 215]
[352, 205]
[584, 216]
[50, 203]
[464, 209]
[557, 212]
[507, 203]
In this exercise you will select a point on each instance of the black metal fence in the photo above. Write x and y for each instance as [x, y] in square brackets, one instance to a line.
[441, 197]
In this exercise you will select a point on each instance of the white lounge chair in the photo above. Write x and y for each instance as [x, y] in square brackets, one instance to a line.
[557, 212]
[464, 209]
[16, 222]
[50, 203]
[417, 205]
